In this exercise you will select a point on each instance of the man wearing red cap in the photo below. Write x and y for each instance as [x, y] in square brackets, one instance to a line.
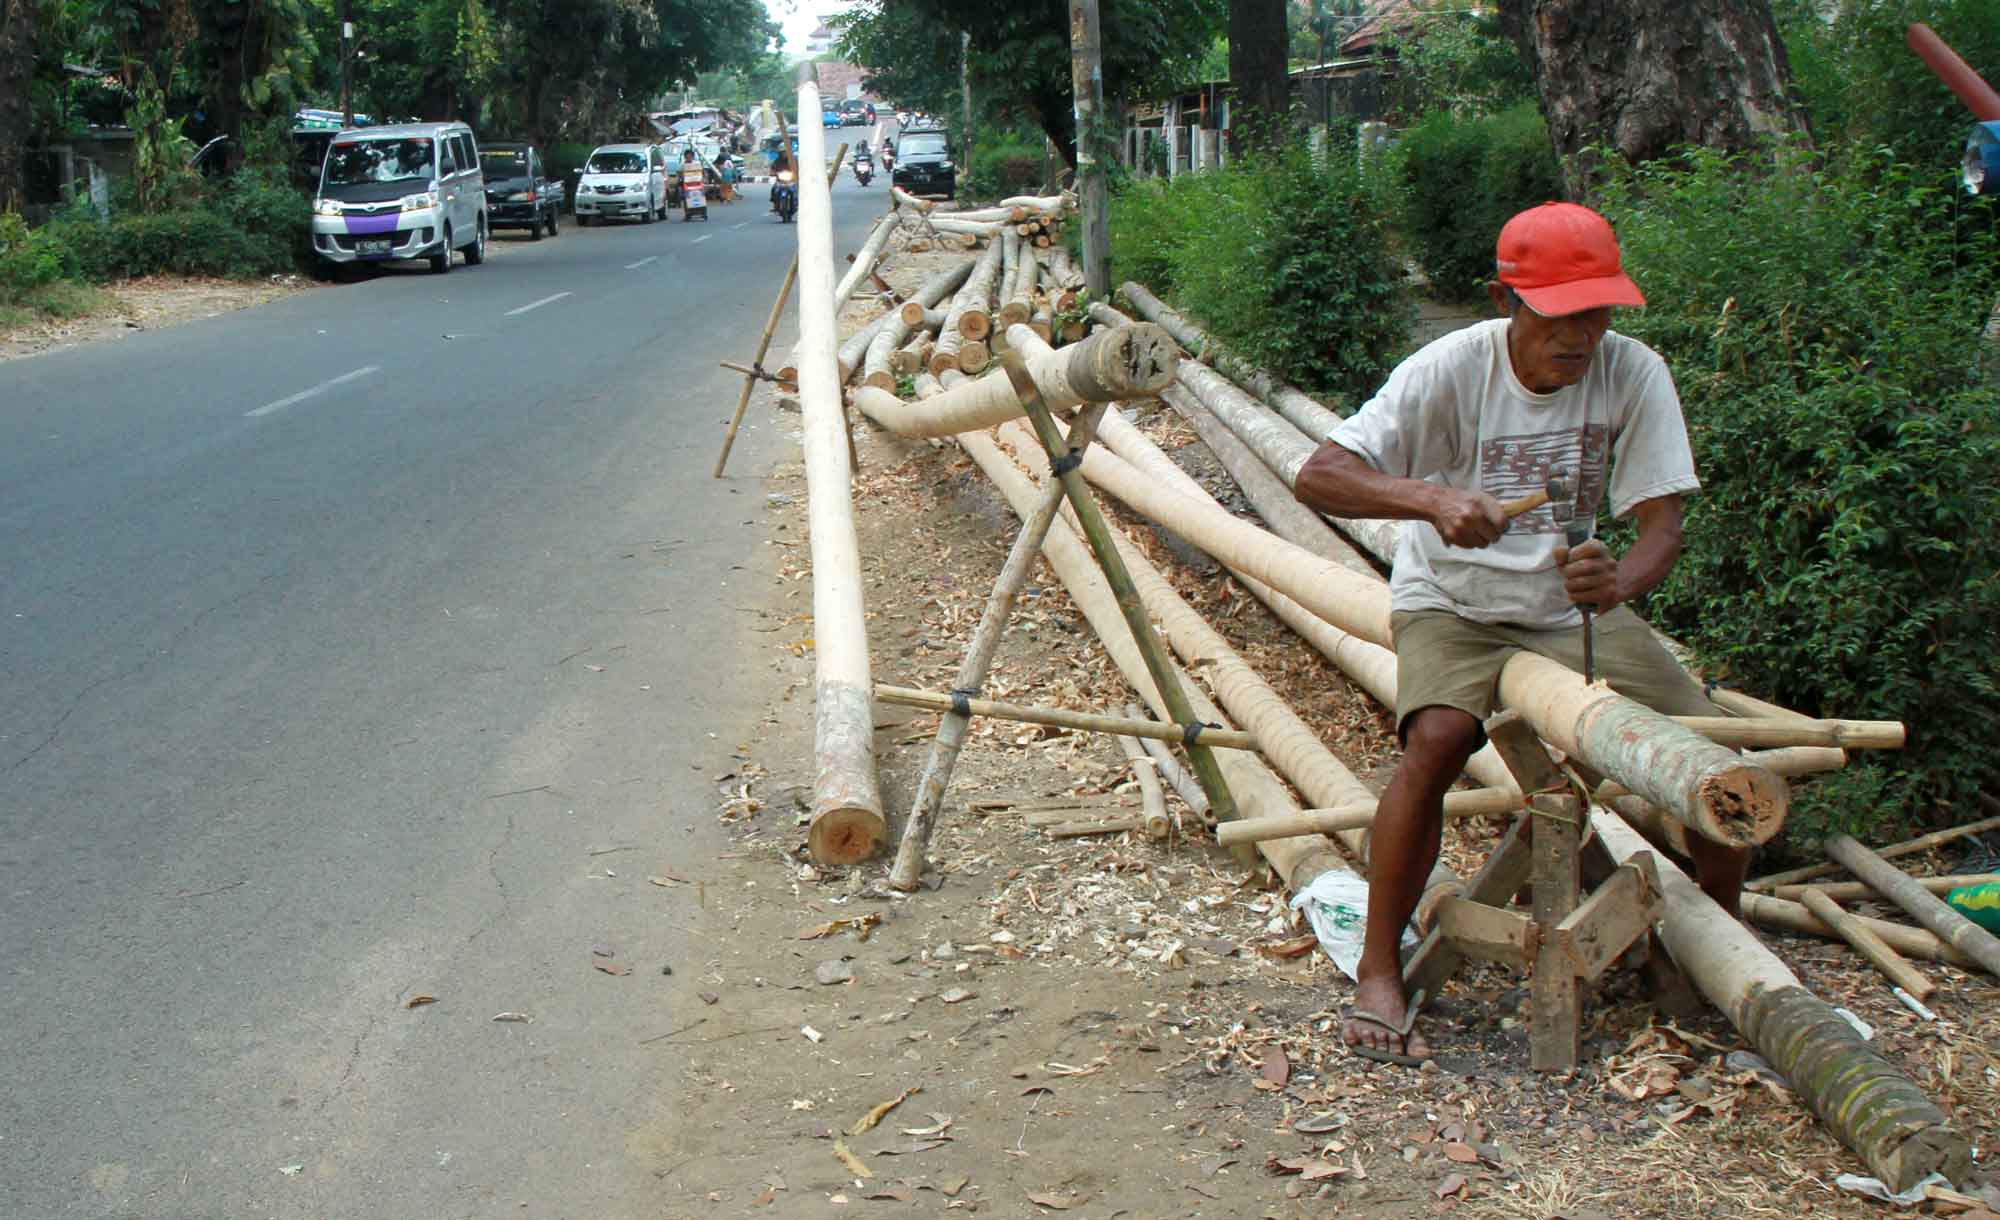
[1476, 418]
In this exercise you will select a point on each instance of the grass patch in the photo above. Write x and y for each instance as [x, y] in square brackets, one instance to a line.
[59, 301]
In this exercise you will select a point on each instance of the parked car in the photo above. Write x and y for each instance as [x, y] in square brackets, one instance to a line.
[519, 192]
[923, 164]
[412, 190]
[853, 112]
[829, 117]
[623, 180]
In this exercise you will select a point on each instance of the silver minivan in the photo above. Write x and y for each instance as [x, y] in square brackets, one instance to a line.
[622, 180]
[411, 190]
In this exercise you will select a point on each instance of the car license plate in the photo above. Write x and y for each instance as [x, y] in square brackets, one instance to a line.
[372, 247]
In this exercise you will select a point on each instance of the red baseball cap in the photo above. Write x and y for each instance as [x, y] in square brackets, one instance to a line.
[1562, 258]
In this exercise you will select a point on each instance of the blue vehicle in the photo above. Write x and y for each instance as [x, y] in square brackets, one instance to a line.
[829, 117]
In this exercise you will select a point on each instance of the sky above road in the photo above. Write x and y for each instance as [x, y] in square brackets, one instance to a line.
[799, 18]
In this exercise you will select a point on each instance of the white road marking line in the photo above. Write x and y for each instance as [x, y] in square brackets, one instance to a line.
[536, 304]
[739, 224]
[704, 237]
[321, 388]
[642, 262]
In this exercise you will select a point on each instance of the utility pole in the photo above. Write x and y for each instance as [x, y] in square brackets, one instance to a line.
[1086, 74]
[347, 62]
[965, 97]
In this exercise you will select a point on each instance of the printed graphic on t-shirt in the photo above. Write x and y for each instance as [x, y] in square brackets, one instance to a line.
[1514, 466]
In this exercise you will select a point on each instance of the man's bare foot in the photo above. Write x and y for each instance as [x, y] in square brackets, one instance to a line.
[1380, 1016]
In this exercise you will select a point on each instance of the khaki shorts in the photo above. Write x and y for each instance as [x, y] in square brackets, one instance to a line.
[1448, 661]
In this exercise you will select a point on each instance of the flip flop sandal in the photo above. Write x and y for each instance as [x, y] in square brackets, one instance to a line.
[1400, 1028]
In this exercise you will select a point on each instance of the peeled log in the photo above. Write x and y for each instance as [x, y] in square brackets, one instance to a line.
[864, 260]
[1135, 362]
[855, 348]
[1256, 791]
[971, 297]
[847, 823]
[1919, 903]
[1874, 1110]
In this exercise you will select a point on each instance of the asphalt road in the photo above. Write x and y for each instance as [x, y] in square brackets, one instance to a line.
[336, 636]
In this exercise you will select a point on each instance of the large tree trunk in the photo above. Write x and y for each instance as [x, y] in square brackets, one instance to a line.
[1261, 89]
[1643, 77]
[17, 68]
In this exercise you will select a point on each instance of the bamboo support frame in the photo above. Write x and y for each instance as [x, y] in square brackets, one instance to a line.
[1871, 1107]
[1920, 904]
[1059, 717]
[847, 823]
[1178, 779]
[907, 870]
[1152, 799]
[1255, 789]
[756, 363]
[1360, 815]
[1865, 942]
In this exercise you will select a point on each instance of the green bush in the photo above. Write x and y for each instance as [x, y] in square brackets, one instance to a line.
[1282, 260]
[1844, 555]
[1003, 164]
[191, 240]
[1860, 82]
[29, 258]
[1460, 179]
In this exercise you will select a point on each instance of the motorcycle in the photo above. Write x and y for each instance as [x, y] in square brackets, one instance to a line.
[864, 170]
[785, 196]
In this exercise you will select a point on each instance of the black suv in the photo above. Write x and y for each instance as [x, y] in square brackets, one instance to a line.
[923, 164]
[519, 192]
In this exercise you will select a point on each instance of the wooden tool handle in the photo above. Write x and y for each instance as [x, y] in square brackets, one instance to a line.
[1527, 503]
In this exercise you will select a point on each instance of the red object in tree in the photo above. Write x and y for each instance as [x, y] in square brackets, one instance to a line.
[1957, 75]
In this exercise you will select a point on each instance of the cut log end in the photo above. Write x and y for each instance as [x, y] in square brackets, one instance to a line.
[1137, 360]
[913, 313]
[975, 324]
[1746, 804]
[845, 836]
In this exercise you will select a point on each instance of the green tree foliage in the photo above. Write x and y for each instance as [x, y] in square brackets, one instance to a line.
[1458, 62]
[1461, 179]
[1282, 259]
[1020, 53]
[1844, 554]
[1860, 81]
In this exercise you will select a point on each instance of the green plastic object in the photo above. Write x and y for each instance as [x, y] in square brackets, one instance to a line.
[1979, 903]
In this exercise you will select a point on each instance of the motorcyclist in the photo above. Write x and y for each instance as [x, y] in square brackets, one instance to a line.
[888, 153]
[780, 169]
[864, 165]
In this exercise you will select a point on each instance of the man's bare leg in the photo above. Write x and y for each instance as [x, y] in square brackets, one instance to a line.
[1409, 825]
[1720, 869]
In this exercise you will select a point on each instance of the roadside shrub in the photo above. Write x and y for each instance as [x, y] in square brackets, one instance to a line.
[1292, 272]
[1844, 556]
[183, 241]
[1461, 178]
[262, 200]
[29, 258]
[1152, 218]
[1003, 164]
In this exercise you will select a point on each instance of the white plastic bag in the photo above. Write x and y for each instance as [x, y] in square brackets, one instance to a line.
[1336, 904]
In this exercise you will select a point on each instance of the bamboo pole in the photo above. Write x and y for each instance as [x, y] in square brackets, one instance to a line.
[1782, 916]
[1476, 802]
[1925, 842]
[847, 823]
[1178, 779]
[907, 871]
[1256, 791]
[1921, 905]
[1152, 800]
[1059, 717]
[864, 260]
[1853, 891]
[757, 365]
[1844, 734]
[1871, 1107]
[1305, 412]
[1865, 942]
[1116, 364]
[1097, 532]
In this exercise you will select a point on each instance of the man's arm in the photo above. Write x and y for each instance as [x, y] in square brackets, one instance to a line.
[1337, 481]
[1592, 578]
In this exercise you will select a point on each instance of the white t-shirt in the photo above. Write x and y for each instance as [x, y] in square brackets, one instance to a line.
[1454, 413]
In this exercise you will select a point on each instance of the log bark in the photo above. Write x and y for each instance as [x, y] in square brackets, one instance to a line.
[1871, 1107]
[1257, 792]
[1136, 362]
[1645, 78]
[1065, 718]
[18, 30]
[1019, 306]
[971, 298]
[1920, 904]
[847, 823]
[1868, 944]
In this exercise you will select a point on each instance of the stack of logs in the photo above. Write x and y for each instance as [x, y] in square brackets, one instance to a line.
[925, 370]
